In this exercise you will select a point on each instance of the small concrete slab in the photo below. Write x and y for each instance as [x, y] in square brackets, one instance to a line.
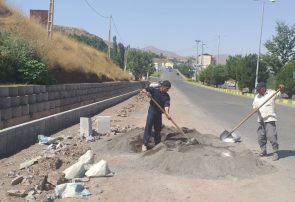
[86, 128]
[103, 124]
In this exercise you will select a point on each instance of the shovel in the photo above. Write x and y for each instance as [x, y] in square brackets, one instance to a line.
[230, 136]
[190, 141]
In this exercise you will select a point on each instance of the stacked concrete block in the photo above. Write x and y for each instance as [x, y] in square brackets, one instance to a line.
[37, 101]
[103, 124]
[85, 127]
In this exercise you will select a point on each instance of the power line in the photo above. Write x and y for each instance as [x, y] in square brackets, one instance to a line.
[94, 10]
[117, 31]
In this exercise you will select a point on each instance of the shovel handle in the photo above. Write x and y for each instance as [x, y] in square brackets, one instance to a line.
[161, 108]
[253, 112]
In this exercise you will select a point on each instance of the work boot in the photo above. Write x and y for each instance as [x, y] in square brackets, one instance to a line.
[263, 153]
[275, 156]
[143, 148]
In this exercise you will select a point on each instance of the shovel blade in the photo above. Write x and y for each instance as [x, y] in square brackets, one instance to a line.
[225, 135]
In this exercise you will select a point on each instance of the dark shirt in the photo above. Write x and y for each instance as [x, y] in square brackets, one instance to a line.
[162, 98]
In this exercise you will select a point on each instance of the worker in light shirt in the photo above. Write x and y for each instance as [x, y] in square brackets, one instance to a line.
[267, 118]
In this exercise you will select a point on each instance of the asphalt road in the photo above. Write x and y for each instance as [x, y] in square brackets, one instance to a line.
[231, 109]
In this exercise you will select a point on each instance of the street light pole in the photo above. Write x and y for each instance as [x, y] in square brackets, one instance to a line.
[261, 29]
[197, 41]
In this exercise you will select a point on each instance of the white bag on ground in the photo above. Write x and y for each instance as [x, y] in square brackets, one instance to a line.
[99, 169]
[87, 158]
[76, 170]
[69, 190]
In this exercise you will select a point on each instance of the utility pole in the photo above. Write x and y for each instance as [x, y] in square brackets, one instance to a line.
[197, 41]
[125, 58]
[202, 59]
[50, 18]
[109, 46]
[218, 49]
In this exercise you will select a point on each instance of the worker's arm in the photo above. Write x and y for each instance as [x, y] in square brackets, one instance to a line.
[146, 92]
[167, 110]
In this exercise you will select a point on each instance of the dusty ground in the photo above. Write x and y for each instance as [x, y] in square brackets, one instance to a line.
[210, 171]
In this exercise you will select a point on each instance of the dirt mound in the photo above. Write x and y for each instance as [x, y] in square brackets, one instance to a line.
[210, 159]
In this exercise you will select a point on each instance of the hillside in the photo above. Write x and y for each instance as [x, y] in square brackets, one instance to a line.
[167, 54]
[68, 60]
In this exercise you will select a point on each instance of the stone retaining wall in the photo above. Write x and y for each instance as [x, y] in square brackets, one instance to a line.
[19, 104]
[16, 138]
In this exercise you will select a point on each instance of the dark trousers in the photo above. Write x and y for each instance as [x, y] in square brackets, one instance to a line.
[154, 119]
[267, 131]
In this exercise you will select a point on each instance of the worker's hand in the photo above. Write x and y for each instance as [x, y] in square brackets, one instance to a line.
[256, 109]
[145, 92]
[282, 88]
[168, 116]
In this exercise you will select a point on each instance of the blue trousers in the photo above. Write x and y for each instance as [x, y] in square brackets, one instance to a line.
[154, 119]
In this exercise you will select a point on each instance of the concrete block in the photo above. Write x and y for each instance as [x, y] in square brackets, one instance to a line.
[4, 91]
[46, 105]
[37, 89]
[29, 90]
[40, 107]
[32, 108]
[24, 100]
[51, 95]
[5, 102]
[39, 97]
[52, 104]
[16, 111]
[32, 99]
[25, 110]
[15, 101]
[57, 95]
[21, 90]
[42, 89]
[12, 141]
[85, 127]
[44, 97]
[6, 114]
[3, 143]
[13, 91]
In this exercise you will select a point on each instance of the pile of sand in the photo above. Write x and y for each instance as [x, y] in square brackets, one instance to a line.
[210, 159]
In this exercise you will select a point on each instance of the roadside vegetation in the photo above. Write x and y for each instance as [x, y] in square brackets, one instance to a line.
[28, 56]
[276, 67]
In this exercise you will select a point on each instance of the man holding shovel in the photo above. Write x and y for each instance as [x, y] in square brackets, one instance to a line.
[154, 117]
[267, 118]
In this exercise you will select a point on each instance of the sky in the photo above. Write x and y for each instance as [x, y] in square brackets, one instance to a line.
[174, 25]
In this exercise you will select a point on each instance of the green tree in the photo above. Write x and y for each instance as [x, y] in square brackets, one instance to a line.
[140, 63]
[185, 69]
[285, 76]
[281, 48]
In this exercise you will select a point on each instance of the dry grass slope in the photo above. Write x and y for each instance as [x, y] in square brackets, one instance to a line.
[70, 60]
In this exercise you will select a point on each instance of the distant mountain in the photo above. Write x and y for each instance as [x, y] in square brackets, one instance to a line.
[168, 54]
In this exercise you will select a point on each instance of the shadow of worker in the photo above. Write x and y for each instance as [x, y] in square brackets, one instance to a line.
[286, 153]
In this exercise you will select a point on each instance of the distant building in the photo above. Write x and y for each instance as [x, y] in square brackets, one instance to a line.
[205, 60]
[40, 15]
[169, 64]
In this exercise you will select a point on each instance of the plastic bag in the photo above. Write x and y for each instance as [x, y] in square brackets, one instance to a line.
[70, 190]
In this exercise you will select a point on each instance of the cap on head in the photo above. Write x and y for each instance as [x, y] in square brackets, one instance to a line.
[166, 83]
[260, 85]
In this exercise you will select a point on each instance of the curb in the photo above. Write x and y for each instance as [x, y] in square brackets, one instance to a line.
[237, 92]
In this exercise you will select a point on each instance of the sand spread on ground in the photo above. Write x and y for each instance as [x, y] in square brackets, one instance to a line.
[209, 159]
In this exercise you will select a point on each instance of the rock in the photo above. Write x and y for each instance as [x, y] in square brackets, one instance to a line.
[18, 193]
[83, 179]
[29, 163]
[17, 180]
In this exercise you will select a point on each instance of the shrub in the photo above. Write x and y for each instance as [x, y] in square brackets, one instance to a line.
[19, 63]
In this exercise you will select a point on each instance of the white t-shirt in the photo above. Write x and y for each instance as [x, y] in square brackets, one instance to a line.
[267, 111]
